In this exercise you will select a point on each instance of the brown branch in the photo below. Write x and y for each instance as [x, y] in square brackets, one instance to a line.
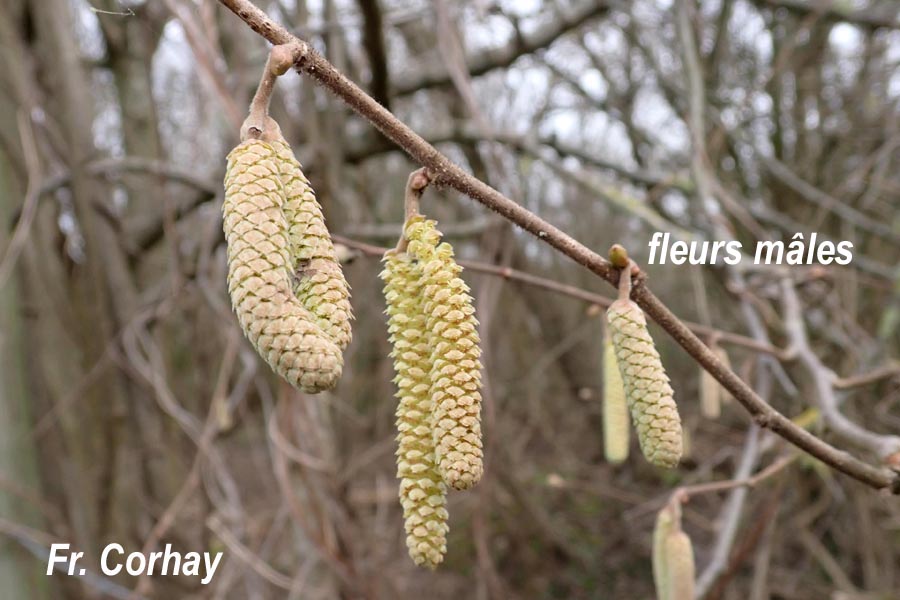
[444, 171]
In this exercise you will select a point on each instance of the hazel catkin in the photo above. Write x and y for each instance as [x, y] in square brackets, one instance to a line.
[673, 556]
[422, 491]
[319, 282]
[647, 388]
[260, 283]
[455, 366]
[712, 394]
[616, 428]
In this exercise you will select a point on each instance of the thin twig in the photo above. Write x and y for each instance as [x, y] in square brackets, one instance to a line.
[730, 484]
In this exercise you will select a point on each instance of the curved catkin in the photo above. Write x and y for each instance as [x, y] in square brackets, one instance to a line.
[647, 388]
[422, 491]
[260, 274]
[319, 281]
[616, 428]
[455, 366]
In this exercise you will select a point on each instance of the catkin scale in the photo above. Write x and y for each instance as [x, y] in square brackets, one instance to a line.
[422, 491]
[455, 374]
[616, 428]
[647, 390]
[260, 277]
[319, 282]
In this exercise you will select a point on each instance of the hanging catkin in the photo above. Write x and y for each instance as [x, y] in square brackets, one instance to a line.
[260, 273]
[710, 401]
[319, 282]
[616, 428]
[647, 388]
[422, 491]
[712, 394]
[673, 556]
[455, 367]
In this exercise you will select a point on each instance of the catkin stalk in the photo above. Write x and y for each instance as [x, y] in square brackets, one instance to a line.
[455, 366]
[422, 491]
[260, 277]
[647, 388]
[616, 426]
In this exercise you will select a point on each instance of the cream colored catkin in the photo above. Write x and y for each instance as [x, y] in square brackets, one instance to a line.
[455, 352]
[712, 393]
[616, 426]
[647, 390]
[710, 399]
[422, 491]
[663, 527]
[724, 395]
[679, 566]
[260, 273]
[673, 556]
[319, 281]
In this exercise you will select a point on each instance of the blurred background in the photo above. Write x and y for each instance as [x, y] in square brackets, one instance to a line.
[132, 409]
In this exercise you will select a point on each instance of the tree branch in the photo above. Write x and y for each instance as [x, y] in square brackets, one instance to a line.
[448, 173]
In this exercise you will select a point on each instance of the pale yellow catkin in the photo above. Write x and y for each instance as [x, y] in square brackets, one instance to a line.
[260, 273]
[673, 556]
[712, 393]
[662, 528]
[422, 491]
[455, 375]
[647, 390]
[679, 566]
[724, 395]
[616, 426]
[319, 281]
[710, 399]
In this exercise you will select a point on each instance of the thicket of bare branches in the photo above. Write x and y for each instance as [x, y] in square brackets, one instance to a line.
[134, 411]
